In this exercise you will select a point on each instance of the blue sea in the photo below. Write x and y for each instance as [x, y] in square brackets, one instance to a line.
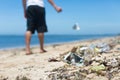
[13, 41]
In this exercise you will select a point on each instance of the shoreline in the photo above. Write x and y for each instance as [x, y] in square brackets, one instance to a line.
[56, 43]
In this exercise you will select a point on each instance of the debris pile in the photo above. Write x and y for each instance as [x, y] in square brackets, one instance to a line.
[89, 63]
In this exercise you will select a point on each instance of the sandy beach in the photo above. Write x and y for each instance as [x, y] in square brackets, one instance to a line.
[15, 65]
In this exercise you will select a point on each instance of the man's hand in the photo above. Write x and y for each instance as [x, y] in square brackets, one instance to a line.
[58, 9]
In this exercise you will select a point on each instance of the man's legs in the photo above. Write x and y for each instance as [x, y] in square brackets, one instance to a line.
[28, 39]
[41, 40]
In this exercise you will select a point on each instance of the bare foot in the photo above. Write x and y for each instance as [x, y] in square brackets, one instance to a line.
[43, 51]
[29, 53]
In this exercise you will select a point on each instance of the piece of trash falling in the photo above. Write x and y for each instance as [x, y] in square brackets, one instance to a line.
[76, 26]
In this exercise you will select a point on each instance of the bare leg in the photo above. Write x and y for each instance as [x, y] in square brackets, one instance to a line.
[28, 39]
[41, 40]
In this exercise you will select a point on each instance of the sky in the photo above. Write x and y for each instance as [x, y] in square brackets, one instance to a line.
[93, 16]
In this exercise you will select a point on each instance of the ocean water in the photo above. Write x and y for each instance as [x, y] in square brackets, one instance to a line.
[12, 41]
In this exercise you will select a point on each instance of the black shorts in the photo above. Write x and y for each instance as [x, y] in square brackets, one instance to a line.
[36, 19]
